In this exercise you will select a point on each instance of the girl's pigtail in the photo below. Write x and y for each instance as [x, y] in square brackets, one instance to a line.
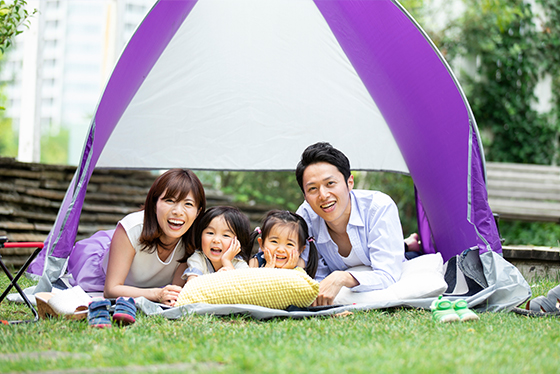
[313, 258]
[254, 235]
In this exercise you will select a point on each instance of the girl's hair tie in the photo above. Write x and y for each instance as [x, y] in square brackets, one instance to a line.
[311, 239]
[258, 229]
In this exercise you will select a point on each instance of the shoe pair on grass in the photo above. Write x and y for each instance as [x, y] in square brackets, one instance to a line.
[125, 312]
[444, 310]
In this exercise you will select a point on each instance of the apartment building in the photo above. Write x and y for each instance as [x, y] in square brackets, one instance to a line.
[57, 69]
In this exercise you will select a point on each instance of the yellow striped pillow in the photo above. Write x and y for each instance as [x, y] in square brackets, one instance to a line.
[271, 288]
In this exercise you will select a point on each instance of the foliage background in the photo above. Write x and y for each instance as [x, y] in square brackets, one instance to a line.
[514, 44]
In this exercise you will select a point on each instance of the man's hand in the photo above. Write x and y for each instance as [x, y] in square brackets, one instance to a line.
[331, 285]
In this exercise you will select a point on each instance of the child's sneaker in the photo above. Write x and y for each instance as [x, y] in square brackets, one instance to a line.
[125, 311]
[442, 311]
[98, 313]
[462, 310]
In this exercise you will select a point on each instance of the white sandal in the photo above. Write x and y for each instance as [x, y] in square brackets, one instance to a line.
[71, 303]
[546, 304]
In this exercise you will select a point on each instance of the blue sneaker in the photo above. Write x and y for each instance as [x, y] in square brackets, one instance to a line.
[125, 311]
[98, 314]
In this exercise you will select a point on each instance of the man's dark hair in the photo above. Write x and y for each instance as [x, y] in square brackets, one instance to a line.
[322, 152]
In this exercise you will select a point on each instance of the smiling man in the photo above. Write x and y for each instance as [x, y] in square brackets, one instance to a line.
[351, 227]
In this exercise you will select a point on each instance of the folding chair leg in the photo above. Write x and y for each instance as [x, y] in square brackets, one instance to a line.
[14, 280]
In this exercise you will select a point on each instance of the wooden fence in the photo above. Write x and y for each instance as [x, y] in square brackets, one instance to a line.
[31, 195]
[524, 192]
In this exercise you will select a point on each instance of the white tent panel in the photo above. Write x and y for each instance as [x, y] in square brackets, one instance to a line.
[266, 76]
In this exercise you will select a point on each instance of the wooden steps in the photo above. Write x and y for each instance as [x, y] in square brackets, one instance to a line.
[524, 192]
[31, 195]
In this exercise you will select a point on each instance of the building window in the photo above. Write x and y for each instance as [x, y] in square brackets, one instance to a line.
[51, 24]
[134, 8]
[50, 44]
[50, 63]
[53, 4]
[46, 122]
[49, 101]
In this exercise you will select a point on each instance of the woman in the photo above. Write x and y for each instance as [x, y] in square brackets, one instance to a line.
[145, 249]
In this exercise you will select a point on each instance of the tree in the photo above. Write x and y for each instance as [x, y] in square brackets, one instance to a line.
[511, 54]
[8, 139]
[13, 15]
[549, 48]
[278, 189]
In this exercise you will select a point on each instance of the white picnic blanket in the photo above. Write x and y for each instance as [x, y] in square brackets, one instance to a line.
[422, 282]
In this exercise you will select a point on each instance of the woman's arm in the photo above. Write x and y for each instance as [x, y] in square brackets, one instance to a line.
[177, 277]
[121, 256]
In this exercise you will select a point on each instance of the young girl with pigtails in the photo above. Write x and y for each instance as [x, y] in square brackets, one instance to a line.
[223, 241]
[282, 238]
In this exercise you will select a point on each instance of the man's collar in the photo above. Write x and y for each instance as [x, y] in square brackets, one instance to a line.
[355, 214]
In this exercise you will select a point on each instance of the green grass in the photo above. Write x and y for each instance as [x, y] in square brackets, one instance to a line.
[380, 341]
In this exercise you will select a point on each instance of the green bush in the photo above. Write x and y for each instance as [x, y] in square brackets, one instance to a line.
[530, 233]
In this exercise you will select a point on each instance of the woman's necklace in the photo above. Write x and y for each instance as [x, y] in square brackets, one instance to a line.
[164, 250]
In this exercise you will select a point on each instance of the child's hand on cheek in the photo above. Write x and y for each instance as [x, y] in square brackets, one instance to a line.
[270, 258]
[292, 260]
[232, 251]
[227, 257]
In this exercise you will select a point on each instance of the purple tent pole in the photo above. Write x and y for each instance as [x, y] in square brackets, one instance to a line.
[424, 227]
[480, 213]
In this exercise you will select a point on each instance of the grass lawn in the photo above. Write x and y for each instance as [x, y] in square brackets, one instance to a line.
[377, 341]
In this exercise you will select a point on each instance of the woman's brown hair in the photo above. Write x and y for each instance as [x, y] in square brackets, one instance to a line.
[177, 184]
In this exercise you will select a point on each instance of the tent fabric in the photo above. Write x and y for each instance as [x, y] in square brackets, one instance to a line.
[248, 84]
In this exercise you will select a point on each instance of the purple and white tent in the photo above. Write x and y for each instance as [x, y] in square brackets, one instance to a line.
[248, 84]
